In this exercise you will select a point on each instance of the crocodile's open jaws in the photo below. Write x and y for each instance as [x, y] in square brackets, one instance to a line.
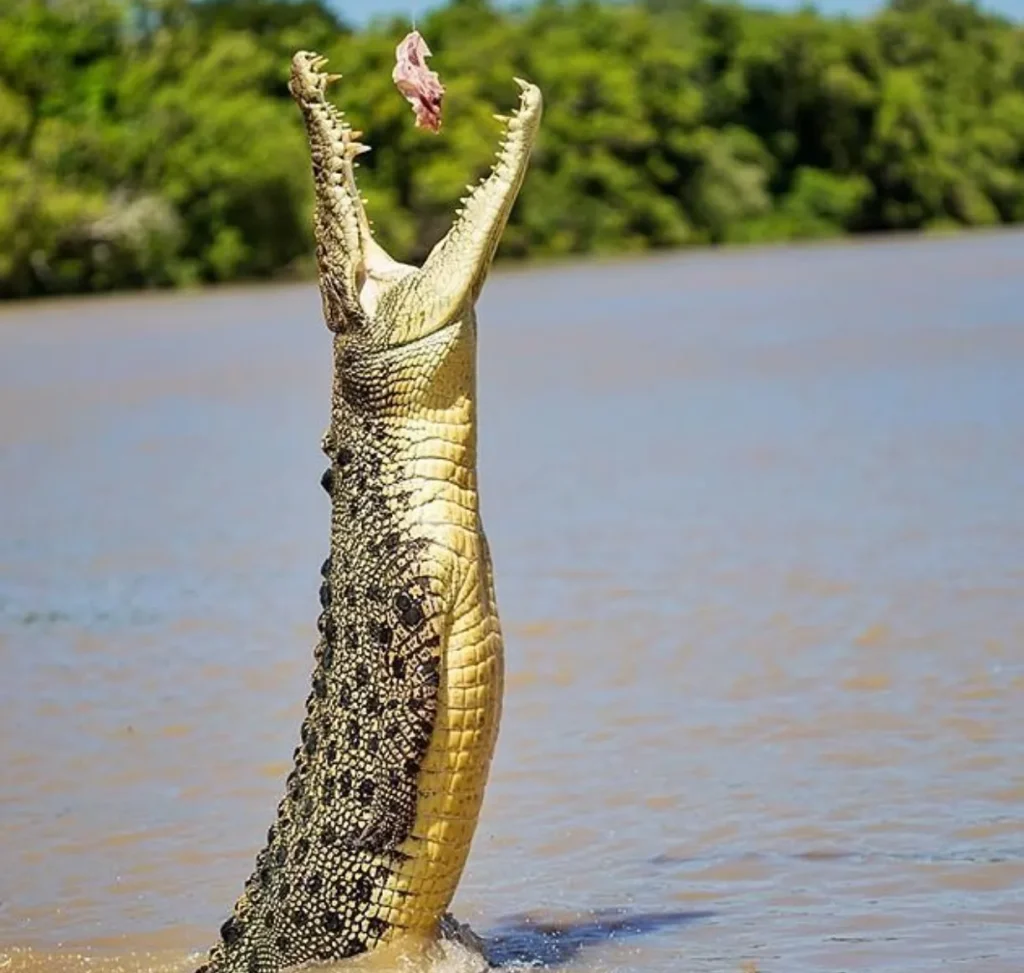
[374, 829]
[373, 832]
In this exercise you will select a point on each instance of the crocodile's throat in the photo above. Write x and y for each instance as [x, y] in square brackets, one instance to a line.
[380, 808]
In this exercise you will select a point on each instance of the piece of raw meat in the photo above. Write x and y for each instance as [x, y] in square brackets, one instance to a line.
[421, 86]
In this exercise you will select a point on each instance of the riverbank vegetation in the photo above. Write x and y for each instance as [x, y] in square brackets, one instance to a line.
[153, 143]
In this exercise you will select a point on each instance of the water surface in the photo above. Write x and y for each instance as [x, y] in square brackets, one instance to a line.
[758, 527]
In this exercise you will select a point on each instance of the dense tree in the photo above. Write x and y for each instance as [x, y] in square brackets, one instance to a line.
[152, 142]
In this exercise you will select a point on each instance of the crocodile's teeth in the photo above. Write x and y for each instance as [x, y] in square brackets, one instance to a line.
[522, 84]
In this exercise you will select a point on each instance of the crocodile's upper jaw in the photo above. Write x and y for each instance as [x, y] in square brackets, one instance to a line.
[360, 282]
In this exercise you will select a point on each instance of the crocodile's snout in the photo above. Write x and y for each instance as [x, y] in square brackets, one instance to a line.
[308, 82]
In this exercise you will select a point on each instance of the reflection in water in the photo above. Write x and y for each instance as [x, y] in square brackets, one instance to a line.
[757, 526]
[534, 941]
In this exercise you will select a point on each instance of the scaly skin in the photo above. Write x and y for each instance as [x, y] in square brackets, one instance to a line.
[375, 828]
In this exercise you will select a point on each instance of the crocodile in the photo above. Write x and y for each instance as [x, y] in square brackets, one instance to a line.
[375, 826]
[381, 804]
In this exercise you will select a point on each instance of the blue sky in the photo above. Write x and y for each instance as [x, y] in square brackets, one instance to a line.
[359, 11]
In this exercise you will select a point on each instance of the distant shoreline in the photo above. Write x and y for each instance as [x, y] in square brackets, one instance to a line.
[532, 265]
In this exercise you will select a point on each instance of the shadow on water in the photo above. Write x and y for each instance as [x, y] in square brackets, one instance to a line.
[541, 942]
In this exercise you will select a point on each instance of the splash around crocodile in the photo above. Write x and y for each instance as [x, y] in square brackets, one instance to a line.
[444, 956]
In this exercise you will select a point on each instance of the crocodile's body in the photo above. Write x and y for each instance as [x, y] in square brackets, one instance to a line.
[372, 835]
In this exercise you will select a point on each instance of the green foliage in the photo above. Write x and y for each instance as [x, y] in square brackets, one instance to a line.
[152, 142]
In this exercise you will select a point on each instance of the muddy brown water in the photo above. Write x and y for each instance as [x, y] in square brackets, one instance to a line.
[758, 526]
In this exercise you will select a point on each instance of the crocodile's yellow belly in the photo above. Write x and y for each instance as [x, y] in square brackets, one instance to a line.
[455, 770]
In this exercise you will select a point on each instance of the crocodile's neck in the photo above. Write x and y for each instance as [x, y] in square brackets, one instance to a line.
[375, 826]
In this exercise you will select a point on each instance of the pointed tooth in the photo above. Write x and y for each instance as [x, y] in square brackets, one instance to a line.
[522, 84]
[331, 78]
[501, 118]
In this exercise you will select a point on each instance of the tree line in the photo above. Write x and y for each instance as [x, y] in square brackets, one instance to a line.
[149, 143]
